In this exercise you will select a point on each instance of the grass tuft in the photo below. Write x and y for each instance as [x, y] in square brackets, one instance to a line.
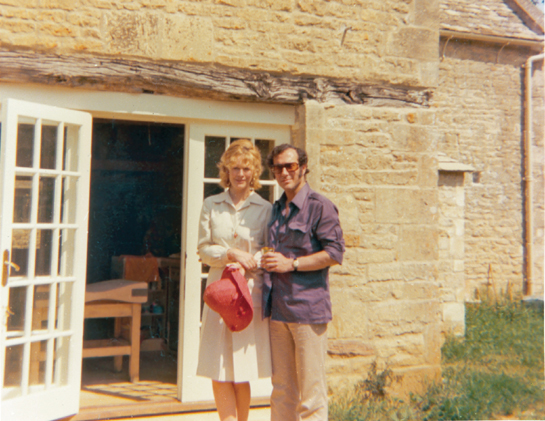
[496, 370]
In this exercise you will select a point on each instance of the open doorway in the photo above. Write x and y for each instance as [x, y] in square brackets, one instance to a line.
[136, 210]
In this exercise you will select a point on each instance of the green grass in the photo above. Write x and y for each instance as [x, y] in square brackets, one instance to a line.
[495, 371]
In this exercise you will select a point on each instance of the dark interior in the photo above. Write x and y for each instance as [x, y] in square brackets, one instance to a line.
[135, 198]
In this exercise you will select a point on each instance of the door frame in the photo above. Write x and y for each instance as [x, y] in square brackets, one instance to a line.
[64, 280]
[194, 181]
[156, 108]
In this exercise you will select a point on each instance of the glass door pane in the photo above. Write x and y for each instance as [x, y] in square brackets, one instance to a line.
[43, 238]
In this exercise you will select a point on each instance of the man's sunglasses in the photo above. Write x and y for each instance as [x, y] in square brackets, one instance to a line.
[291, 166]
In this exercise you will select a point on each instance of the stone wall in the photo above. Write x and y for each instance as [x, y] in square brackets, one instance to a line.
[378, 166]
[451, 275]
[478, 108]
[538, 159]
[387, 41]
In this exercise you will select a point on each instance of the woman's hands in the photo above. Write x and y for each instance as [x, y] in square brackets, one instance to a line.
[235, 266]
[245, 259]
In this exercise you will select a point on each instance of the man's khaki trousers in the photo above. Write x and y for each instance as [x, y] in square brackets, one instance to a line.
[298, 371]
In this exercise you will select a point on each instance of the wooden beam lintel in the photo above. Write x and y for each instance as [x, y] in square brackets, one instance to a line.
[204, 81]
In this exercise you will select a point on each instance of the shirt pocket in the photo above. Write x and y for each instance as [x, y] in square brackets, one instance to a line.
[298, 236]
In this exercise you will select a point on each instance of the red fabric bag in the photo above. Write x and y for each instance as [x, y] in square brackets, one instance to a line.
[230, 297]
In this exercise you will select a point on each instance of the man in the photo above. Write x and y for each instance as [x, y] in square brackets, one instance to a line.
[307, 239]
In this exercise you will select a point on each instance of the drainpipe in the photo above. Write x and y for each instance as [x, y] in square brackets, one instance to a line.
[528, 180]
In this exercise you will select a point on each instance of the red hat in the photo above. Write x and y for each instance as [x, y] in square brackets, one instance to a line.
[230, 297]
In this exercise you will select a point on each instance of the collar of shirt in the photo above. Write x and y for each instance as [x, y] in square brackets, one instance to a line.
[225, 197]
[298, 201]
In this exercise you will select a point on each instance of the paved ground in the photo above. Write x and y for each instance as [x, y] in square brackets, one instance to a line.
[257, 414]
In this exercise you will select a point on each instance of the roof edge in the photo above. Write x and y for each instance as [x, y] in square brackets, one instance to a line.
[530, 14]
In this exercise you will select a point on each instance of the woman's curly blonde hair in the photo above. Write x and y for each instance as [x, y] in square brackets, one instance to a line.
[251, 157]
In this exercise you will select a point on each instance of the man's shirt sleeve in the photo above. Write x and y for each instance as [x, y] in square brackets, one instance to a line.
[329, 232]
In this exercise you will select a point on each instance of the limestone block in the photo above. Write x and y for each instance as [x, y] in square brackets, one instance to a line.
[457, 247]
[419, 291]
[281, 5]
[351, 240]
[454, 312]
[373, 140]
[429, 73]
[388, 329]
[444, 244]
[57, 4]
[339, 280]
[416, 43]
[365, 256]
[387, 114]
[406, 206]
[393, 178]
[407, 137]
[56, 16]
[28, 39]
[418, 242]
[432, 340]
[385, 240]
[58, 30]
[370, 126]
[459, 266]
[314, 114]
[348, 213]
[319, 8]
[187, 39]
[350, 315]
[234, 3]
[384, 272]
[447, 295]
[340, 159]
[133, 33]
[20, 3]
[427, 171]
[411, 358]
[89, 43]
[420, 271]
[338, 176]
[379, 291]
[17, 26]
[86, 19]
[348, 366]
[349, 348]
[19, 13]
[425, 117]
[406, 160]
[376, 160]
[340, 137]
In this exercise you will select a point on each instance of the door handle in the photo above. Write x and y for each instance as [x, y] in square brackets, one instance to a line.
[5, 268]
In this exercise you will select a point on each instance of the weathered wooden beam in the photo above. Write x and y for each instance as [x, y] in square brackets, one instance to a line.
[203, 81]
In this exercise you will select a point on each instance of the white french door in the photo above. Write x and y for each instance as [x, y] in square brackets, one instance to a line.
[206, 143]
[44, 202]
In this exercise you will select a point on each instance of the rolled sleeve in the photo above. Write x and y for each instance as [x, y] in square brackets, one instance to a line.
[329, 232]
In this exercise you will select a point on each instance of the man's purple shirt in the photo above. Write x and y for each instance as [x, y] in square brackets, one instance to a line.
[312, 225]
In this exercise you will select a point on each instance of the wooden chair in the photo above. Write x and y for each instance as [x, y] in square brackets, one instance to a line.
[117, 298]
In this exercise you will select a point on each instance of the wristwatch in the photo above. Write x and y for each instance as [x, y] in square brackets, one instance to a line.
[295, 265]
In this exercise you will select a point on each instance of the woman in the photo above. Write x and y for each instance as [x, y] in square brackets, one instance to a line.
[233, 228]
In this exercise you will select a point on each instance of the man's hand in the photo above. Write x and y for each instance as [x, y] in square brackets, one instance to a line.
[276, 262]
[244, 258]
